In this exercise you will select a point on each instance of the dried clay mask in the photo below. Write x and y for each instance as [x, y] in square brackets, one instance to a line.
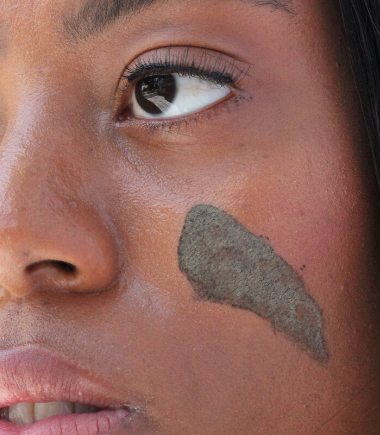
[226, 263]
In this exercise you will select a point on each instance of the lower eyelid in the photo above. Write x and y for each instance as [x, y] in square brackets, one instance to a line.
[155, 127]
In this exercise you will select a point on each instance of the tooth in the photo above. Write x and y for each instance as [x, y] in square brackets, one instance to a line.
[81, 408]
[45, 410]
[21, 414]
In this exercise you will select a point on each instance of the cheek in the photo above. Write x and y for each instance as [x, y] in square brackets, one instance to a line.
[318, 209]
[314, 203]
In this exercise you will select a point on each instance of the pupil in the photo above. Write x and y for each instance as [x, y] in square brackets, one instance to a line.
[156, 93]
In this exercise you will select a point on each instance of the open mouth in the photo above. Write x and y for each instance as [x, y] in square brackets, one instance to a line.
[42, 393]
[24, 414]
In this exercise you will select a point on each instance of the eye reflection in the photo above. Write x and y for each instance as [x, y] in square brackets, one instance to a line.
[172, 95]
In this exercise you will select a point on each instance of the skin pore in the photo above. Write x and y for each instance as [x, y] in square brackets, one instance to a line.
[226, 263]
[94, 200]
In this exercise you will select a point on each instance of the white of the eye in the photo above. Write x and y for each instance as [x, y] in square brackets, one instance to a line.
[193, 94]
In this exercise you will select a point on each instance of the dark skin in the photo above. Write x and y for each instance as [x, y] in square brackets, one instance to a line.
[94, 200]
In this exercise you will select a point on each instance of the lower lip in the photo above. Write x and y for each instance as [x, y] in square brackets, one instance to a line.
[100, 423]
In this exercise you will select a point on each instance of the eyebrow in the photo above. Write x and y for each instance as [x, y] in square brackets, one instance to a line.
[96, 15]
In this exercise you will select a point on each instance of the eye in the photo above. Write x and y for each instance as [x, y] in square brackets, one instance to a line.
[174, 95]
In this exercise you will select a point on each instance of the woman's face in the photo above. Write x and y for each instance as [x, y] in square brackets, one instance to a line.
[187, 220]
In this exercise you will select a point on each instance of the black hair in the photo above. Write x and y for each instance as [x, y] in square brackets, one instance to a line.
[362, 24]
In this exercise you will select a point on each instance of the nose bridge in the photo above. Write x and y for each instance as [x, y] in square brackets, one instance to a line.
[54, 232]
[40, 158]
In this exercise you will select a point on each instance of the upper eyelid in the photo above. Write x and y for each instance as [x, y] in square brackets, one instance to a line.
[191, 72]
[207, 60]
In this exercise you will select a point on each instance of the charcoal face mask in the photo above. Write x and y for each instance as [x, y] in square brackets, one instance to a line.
[226, 263]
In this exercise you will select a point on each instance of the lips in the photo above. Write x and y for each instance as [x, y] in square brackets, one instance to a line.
[32, 374]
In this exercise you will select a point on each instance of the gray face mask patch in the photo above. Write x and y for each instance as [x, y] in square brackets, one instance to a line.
[226, 263]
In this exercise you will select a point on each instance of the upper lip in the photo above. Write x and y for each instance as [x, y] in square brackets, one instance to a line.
[34, 374]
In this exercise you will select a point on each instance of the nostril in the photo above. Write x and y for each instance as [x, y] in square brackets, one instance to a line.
[61, 266]
[65, 267]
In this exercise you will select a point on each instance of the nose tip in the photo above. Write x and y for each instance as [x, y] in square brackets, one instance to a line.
[54, 234]
[77, 264]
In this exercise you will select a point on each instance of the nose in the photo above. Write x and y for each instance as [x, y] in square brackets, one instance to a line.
[55, 234]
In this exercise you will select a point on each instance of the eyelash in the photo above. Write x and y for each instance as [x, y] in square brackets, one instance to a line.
[215, 69]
